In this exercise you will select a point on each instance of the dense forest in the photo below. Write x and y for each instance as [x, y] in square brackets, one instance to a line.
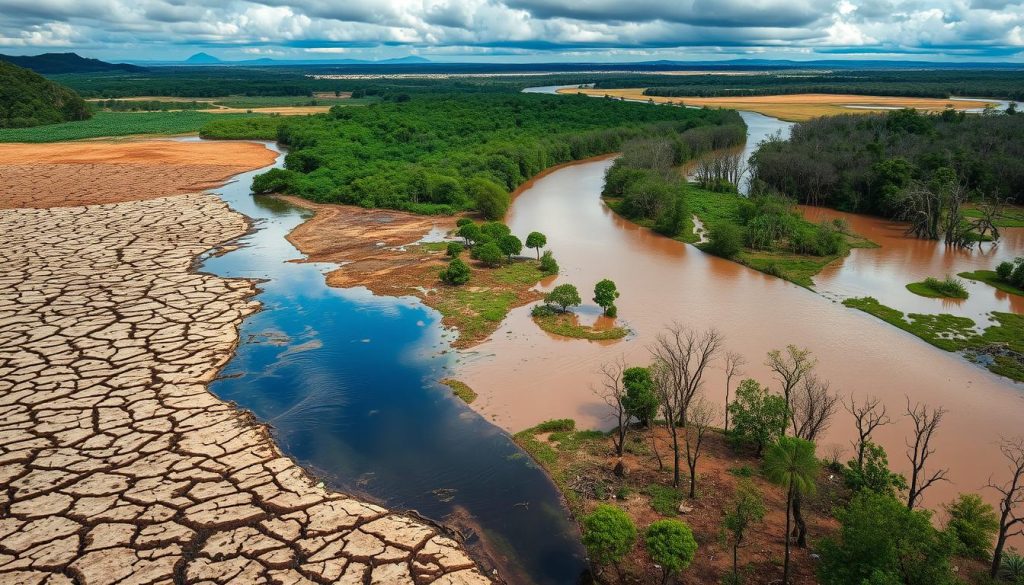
[873, 163]
[28, 99]
[440, 154]
[929, 83]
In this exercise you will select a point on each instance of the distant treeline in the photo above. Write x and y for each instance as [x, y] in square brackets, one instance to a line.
[440, 154]
[27, 99]
[934, 83]
[867, 163]
[149, 105]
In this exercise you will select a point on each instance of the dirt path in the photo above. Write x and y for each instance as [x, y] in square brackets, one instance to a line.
[87, 173]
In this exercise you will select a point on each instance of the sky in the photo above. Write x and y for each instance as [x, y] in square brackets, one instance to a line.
[518, 30]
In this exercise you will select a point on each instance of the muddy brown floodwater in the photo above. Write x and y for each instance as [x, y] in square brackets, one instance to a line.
[525, 376]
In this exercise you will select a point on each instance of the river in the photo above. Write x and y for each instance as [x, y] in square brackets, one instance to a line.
[348, 381]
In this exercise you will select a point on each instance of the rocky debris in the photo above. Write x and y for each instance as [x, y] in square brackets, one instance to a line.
[116, 463]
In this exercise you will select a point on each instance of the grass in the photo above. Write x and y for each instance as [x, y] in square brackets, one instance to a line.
[555, 452]
[1000, 347]
[990, 278]
[930, 287]
[255, 127]
[1010, 216]
[565, 325]
[104, 124]
[665, 500]
[460, 389]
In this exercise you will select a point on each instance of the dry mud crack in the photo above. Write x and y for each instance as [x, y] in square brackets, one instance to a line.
[116, 463]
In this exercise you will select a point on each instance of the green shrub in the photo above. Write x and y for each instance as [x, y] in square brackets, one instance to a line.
[608, 534]
[454, 249]
[463, 221]
[510, 245]
[725, 240]
[556, 425]
[548, 264]
[973, 523]
[1004, 270]
[489, 253]
[457, 273]
[664, 500]
[671, 545]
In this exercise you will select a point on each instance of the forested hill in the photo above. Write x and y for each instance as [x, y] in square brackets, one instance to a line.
[54, 63]
[438, 154]
[29, 99]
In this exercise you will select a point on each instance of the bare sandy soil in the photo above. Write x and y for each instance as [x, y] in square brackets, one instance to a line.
[87, 173]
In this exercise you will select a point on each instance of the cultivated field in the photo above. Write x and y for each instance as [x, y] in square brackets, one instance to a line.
[793, 107]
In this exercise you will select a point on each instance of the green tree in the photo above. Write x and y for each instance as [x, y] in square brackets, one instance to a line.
[725, 240]
[510, 245]
[758, 416]
[671, 545]
[470, 232]
[563, 295]
[548, 264]
[745, 509]
[974, 524]
[608, 534]
[791, 463]
[641, 401]
[873, 474]
[454, 249]
[537, 241]
[489, 253]
[457, 273]
[488, 197]
[881, 541]
[495, 230]
[605, 294]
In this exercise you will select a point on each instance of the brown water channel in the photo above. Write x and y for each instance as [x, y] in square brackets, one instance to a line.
[525, 375]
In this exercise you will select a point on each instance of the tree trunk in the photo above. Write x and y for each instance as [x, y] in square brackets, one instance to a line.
[654, 447]
[735, 562]
[785, 562]
[693, 481]
[675, 457]
[801, 525]
[997, 552]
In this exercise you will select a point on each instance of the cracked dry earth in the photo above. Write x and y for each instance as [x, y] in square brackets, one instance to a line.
[116, 463]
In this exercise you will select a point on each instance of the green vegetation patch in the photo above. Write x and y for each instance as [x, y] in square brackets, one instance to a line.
[117, 124]
[555, 452]
[460, 389]
[28, 99]
[665, 500]
[565, 325]
[1000, 347]
[231, 127]
[950, 288]
[477, 312]
[1009, 216]
[271, 101]
[990, 278]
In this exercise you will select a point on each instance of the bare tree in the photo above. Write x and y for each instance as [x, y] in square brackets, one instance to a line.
[734, 363]
[813, 407]
[612, 392]
[687, 354]
[991, 210]
[789, 369]
[834, 453]
[1011, 499]
[926, 422]
[702, 416]
[669, 397]
[867, 417]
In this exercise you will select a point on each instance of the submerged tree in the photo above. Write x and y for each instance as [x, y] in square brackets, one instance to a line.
[564, 296]
[605, 294]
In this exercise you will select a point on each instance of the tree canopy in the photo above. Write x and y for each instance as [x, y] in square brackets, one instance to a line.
[29, 99]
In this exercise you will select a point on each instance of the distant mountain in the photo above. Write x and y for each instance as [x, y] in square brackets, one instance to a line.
[203, 59]
[53, 63]
[200, 59]
[29, 99]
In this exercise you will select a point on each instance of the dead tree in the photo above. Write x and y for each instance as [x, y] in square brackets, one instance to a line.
[813, 408]
[669, 397]
[734, 363]
[1011, 500]
[790, 368]
[612, 392]
[687, 354]
[867, 417]
[991, 210]
[926, 422]
[702, 416]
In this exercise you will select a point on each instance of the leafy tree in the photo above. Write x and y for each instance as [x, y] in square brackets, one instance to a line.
[873, 473]
[548, 264]
[744, 510]
[882, 541]
[791, 463]
[489, 253]
[973, 523]
[641, 401]
[454, 249]
[470, 232]
[537, 241]
[671, 545]
[463, 221]
[608, 534]
[510, 245]
[605, 294]
[563, 295]
[457, 273]
[495, 230]
[488, 197]
[725, 240]
[758, 416]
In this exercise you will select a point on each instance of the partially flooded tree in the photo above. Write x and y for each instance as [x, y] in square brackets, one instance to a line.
[733, 367]
[990, 209]
[613, 393]
[1011, 500]
[812, 410]
[686, 354]
[867, 417]
[669, 398]
[702, 416]
[926, 422]
[790, 367]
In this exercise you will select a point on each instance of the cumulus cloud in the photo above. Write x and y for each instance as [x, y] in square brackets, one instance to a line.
[547, 29]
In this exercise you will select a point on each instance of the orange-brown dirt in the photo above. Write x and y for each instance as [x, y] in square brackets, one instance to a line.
[89, 173]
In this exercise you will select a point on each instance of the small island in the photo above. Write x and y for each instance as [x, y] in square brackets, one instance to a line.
[950, 288]
[1007, 277]
[555, 316]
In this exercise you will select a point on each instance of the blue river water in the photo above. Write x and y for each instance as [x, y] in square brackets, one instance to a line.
[348, 382]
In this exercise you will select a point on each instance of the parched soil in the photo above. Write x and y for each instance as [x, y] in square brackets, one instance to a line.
[89, 173]
[794, 107]
[116, 463]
